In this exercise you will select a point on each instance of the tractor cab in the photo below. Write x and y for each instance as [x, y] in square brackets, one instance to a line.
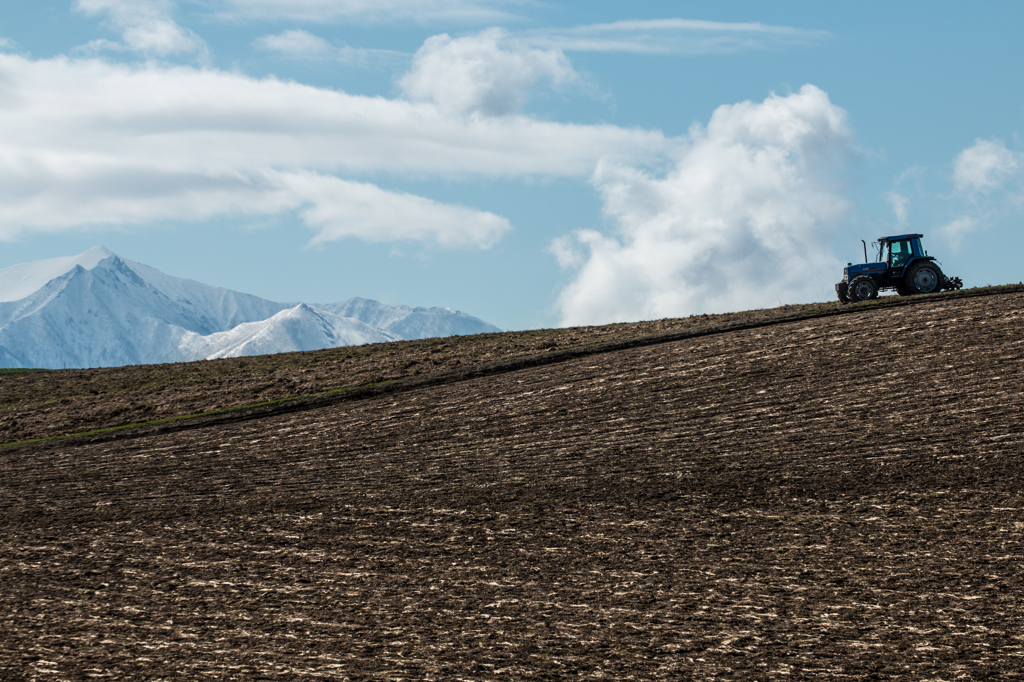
[898, 252]
[901, 264]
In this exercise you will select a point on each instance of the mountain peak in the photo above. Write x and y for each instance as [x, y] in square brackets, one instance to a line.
[22, 280]
[97, 252]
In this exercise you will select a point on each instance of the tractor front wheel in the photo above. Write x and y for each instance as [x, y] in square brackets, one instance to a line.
[923, 278]
[841, 293]
[862, 289]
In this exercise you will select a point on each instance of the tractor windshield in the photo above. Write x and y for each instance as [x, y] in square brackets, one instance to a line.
[899, 253]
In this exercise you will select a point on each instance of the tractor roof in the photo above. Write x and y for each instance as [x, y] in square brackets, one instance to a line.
[899, 237]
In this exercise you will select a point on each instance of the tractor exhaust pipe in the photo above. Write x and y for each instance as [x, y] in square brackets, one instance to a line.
[865, 250]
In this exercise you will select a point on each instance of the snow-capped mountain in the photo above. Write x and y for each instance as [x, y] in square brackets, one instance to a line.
[407, 322]
[97, 309]
[298, 328]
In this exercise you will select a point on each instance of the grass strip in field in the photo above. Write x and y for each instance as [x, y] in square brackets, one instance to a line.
[182, 417]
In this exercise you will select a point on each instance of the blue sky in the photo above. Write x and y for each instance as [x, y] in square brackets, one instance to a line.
[531, 163]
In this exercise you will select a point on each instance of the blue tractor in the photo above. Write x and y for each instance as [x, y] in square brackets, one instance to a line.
[902, 264]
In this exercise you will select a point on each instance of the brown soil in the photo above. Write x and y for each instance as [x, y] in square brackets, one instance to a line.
[834, 498]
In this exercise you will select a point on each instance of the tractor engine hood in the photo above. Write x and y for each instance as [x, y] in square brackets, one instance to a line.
[851, 271]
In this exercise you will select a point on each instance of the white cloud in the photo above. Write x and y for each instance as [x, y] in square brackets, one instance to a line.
[87, 142]
[988, 181]
[672, 36]
[94, 47]
[489, 73]
[299, 44]
[957, 229]
[983, 166]
[334, 208]
[371, 11]
[565, 252]
[741, 221]
[912, 174]
[899, 205]
[5, 42]
[338, 209]
[161, 114]
[146, 26]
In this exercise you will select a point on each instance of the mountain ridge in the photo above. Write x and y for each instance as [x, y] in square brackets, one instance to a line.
[97, 309]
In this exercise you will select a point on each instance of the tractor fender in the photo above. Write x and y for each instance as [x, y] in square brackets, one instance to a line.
[918, 259]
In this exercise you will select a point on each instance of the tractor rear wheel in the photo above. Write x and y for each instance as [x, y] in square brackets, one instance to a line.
[862, 289]
[923, 278]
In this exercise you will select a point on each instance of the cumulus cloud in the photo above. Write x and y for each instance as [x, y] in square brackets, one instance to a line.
[741, 221]
[673, 36]
[88, 142]
[489, 73]
[371, 11]
[146, 26]
[983, 166]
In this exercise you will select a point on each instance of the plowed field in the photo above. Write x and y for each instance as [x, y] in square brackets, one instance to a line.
[835, 498]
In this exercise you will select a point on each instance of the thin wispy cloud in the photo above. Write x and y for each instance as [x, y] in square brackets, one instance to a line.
[900, 204]
[297, 44]
[369, 11]
[956, 230]
[673, 36]
[303, 45]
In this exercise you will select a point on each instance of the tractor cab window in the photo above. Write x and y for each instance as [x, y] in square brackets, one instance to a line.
[899, 253]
